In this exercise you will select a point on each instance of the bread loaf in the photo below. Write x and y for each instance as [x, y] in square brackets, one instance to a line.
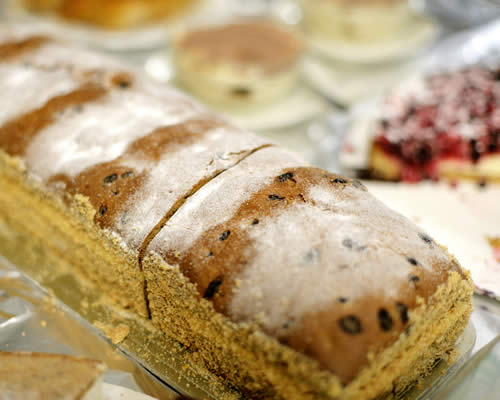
[285, 280]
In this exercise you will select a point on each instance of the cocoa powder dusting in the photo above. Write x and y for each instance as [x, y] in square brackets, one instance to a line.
[252, 43]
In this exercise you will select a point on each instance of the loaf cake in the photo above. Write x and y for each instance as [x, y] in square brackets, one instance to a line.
[358, 21]
[445, 125]
[112, 14]
[238, 65]
[41, 376]
[283, 280]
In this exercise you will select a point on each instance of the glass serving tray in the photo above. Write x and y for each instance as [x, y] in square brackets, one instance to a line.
[60, 316]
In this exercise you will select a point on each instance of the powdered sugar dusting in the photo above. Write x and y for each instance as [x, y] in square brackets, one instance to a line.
[217, 201]
[25, 88]
[221, 149]
[98, 132]
[338, 244]
[101, 131]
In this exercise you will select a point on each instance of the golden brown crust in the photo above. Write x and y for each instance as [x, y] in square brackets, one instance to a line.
[10, 50]
[115, 14]
[17, 134]
[169, 138]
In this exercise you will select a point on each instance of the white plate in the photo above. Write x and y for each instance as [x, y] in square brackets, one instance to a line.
[420, 33]
[147, 37]
[461, 218]
[299, 106]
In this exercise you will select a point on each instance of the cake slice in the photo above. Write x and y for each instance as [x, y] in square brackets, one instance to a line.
[444, 126]
[43, 376]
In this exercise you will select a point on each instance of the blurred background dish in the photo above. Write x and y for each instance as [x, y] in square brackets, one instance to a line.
[447, 126]
[356, 20]
[250, 70]
[126, 27]
[440, 121]
[246, 64]
[109, 14]
[460, 14]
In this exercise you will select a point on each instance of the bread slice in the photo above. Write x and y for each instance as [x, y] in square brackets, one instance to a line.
[283, 280]
[26, 375]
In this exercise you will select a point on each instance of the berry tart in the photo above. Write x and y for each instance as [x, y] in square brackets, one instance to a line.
[445, 126]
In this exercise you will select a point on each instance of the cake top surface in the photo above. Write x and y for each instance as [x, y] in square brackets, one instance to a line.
[46, 376]
[257, 44]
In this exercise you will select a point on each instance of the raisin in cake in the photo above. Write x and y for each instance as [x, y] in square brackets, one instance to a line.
[283, 280]
[445, 126]
[43, 376]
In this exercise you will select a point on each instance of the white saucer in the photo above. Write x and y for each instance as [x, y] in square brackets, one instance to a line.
[419, 34]
[348, 84]
[299, 106]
